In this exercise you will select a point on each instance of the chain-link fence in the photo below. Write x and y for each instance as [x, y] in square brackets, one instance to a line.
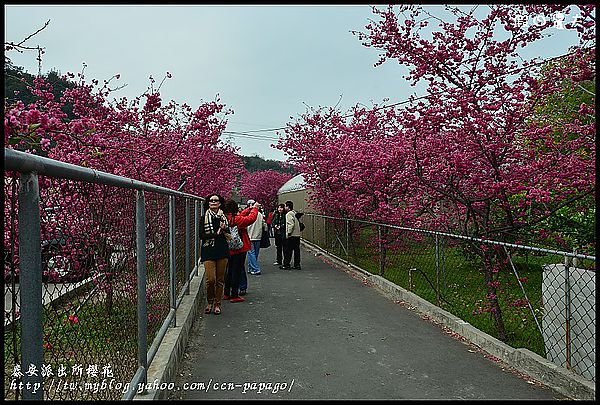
[528, 297]
[84, 312]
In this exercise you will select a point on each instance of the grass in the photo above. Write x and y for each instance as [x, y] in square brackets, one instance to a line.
[99, 336]
[96, 338]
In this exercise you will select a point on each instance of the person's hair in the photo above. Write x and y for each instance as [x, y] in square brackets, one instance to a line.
[207, 204]
[290, 204]
[281, 205]
[230, 207]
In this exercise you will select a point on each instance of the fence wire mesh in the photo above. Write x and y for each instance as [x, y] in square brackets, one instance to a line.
[529, 298]
[157, 279]
[89, 285]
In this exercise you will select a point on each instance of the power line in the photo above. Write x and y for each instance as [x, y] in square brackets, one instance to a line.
[250, 134]
[264, 130]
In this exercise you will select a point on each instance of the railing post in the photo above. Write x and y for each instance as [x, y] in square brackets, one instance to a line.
[172, 285]
[437, 271]
[187, 245]
[325, 235]
[567, 315]
[200, 225]
[30, 258]
[381, 260]
[141, 285]
[347, 241]
[313, 230]
[197, 234]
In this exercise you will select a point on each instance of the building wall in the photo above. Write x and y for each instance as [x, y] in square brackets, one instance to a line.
[315, 230]
[298, 197]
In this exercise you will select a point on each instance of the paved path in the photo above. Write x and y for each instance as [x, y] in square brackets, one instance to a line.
[320, 333]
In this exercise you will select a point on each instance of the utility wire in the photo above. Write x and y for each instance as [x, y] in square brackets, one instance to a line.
[250, 134]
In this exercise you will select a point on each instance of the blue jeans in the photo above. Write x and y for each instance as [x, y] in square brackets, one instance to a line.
[253, 266]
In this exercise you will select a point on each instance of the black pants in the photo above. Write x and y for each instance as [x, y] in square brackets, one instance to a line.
[235, 267]
[292, 245]
[279, 242]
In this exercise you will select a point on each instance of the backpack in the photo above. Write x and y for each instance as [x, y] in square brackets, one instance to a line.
[235, 242]
[298, 216]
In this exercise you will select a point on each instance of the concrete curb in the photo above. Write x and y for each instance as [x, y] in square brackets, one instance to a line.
[558, 378]
[170, 352]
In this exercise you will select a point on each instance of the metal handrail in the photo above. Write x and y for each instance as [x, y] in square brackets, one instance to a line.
[31, 166]
[26, 163]
[469, 238]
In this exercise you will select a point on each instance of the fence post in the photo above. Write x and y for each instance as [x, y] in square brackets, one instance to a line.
[347, 241]
[187, 245]
[326, 235]
[381, 259]
[197, 235]
[172, 286]
[567, 315]
[30, 258]
[141, 285]
[437, 270]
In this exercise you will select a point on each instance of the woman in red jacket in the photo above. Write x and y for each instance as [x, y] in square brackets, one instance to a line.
[235, 266]
[270, 223]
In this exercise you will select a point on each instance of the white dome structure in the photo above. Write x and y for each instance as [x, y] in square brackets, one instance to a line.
[296, 183]
[296, 191]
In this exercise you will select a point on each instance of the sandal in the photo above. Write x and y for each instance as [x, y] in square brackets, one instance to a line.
[217, 311]
[208, 309]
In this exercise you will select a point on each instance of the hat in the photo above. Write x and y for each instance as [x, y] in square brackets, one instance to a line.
[250, 202]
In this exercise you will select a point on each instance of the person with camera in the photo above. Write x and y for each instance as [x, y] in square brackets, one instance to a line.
[255, 232]
[214, 251]
[235, 269]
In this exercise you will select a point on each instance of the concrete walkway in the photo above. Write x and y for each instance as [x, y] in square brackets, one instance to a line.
[319, 333]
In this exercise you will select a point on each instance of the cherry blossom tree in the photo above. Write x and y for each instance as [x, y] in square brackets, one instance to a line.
[476, 161]
[166, 144]
[356, 164]
[262, 186]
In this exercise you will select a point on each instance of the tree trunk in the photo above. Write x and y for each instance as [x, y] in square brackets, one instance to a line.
[495, 311]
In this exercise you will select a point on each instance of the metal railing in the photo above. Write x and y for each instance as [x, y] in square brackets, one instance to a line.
[95, 268]
[529, 297]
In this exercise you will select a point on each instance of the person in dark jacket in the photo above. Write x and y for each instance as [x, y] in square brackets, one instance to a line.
[237, 257]
[292, 238]
[278, 224]
[214, 251]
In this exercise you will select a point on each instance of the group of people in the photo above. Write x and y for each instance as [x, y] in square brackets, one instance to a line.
[286, 230]
[224, 267]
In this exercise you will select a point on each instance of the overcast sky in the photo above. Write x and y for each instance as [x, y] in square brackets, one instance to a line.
[265, 62]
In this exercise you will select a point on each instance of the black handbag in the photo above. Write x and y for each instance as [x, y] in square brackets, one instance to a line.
[265, 241]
